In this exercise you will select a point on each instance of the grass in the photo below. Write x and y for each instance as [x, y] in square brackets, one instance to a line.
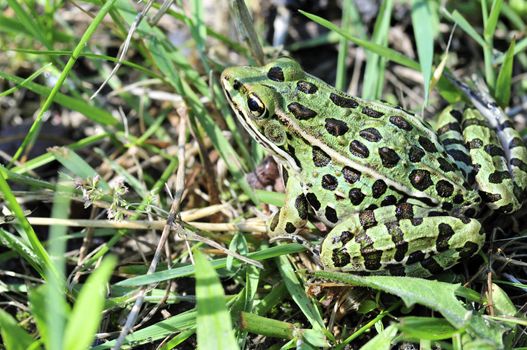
[128, 219]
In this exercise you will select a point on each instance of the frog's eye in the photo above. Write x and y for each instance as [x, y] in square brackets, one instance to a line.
[255, 105]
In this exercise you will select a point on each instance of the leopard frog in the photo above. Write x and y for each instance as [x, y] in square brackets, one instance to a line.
[401, 197]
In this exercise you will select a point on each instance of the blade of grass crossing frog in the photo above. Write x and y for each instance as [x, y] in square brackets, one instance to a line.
[423, 21]
[503, 84]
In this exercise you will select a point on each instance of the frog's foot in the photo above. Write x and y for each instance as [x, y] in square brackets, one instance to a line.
[293, 215]
[384, 241]
[488, 149]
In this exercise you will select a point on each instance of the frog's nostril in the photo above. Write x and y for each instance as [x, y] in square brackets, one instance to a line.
[236, 85]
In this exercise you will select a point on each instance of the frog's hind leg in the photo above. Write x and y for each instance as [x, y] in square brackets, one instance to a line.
[512, 146]
[293, 214]
[400, 240]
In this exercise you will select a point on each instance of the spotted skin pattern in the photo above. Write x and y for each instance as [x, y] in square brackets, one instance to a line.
[402, 198]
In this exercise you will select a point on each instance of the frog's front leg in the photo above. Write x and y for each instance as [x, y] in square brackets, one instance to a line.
[400, 240]
[293, 215]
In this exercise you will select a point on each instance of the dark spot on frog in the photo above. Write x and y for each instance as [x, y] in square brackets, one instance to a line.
[518, 163]
[457, 115]
[445, 233]
[351, 175]
[331, 215]
[290, 228]
[378, 188]
[372, 257]
[401, 123]
[389, 157]
[427, 144]
[356, 196]
[469, 249]
[306, 87]
[415, 257]
[416, 154]
[300, 111]
[274, 221]
[329, 182]
[401, 246]
[345, 237]
[371, 112]
[301, 206]
[494, 150]
[336, 127]
[497, 177]
[371, 134]
[420, 179]
[444, 188]
[276, 74]
[341, 101]
[449, 127]
[320, 158]
[313, 201]
[516, 142]
[475, 143]
[458, 199]
[388, 200]
[404, 211]
[340, 257]
[445, 165]
[358, 149]
[367, 219]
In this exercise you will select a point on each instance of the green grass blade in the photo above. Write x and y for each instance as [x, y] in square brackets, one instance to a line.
[33, 131]
[298, 293]
[457, 18]
[43, 257]
[29, 23]
[87, 311]
[214, 320]
[14, 337]
[422, 22]
[181, 322]
[347, 8]
[78, 166]
[188, 270]
[93, 113]
[492, 20]
[27, 80]
[385, 52]
[56, 311]
[49, 157]
[375, 65]
[17, 245]
[503, 84]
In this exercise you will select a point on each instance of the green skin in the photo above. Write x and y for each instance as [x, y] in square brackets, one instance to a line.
[401, 197]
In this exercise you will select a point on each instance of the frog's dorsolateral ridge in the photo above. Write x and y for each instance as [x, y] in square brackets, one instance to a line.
[402, 198]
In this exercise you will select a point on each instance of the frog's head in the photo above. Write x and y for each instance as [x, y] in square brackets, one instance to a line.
[256, 94]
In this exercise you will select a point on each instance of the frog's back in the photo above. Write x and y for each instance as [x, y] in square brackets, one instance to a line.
[338, 138]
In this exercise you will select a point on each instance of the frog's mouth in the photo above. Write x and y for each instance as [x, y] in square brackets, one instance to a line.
[248, 124]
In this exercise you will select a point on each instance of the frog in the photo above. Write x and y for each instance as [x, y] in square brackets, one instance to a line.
[399, 196]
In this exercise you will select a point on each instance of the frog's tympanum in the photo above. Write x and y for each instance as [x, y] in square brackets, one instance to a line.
[402, 198]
